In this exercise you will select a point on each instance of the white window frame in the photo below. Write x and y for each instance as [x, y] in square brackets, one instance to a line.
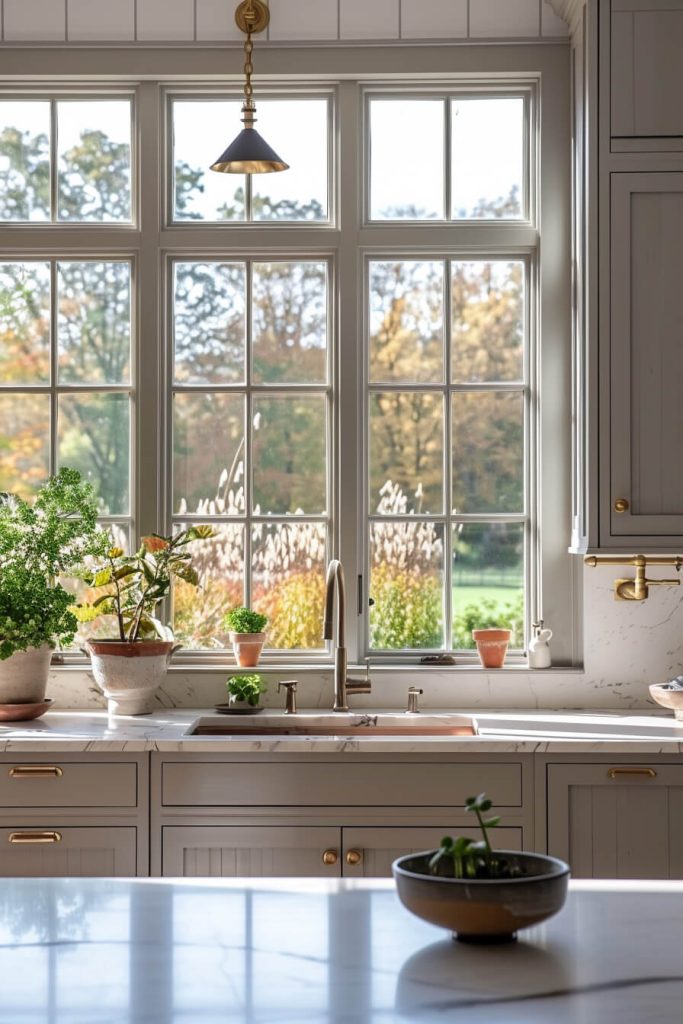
[349, 238]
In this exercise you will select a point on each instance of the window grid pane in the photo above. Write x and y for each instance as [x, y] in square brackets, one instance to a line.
[250, 457]
[435, 577]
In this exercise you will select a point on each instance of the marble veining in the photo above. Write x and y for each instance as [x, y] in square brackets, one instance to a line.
[502, 732]
[315, 951]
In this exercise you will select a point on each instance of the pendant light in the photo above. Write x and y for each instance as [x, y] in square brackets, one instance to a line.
[249, 153]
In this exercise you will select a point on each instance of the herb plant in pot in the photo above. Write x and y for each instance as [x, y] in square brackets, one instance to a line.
[40, 542]
[244, 692]
[246, 635]
[129, 667]
[482, 895]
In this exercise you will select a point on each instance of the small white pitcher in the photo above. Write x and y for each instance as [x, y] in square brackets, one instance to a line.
[539, 649]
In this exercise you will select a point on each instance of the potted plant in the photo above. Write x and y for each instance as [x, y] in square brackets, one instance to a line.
[492, 645]
[481, 894]
[39, 542]
[130, 666]
[244, 692]
[246, 635]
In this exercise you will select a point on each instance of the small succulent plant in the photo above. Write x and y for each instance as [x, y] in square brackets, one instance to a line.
[471, 858]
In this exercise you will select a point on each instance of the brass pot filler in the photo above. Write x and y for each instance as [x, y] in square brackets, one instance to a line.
[637, 588]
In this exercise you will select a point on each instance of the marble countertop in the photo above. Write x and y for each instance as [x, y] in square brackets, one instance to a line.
[500, 732]
[310, 951]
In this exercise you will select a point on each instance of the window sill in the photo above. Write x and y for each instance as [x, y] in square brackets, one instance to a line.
[316, 668]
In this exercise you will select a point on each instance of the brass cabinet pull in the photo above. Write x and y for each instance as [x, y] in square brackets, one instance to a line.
[650, 773]
[621, 505]
[354, 857]
[36, 771]
[330, 857]
[35, 837]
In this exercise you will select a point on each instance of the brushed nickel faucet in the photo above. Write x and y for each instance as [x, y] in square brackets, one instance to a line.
[343, 686]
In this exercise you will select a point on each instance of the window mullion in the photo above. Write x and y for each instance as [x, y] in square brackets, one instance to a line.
[54, 365]
[448, 452]
[248, 421]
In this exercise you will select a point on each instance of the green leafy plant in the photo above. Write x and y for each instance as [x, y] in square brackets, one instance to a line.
[247, 687]
[471, 858]
[134, 585]
[244, 620]
[38, 543]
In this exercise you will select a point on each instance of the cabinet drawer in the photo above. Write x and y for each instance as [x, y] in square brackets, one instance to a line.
[361, 784]
[67, 784]
[69, 852]
[225, 851]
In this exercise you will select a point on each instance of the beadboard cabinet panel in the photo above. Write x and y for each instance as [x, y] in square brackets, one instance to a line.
[628, 826]
[224, 851]
[647, 68]
[71, 852]
[646, 354]
[379, 847]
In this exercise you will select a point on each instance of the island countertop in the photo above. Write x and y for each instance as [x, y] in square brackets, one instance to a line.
[311, 951]
[499, 732]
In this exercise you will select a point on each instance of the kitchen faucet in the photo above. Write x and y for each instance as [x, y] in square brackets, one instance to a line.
[343, 687]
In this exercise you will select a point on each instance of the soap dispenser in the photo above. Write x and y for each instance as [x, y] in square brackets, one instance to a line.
[539, 647]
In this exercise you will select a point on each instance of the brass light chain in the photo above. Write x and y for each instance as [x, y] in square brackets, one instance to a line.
[249, 107]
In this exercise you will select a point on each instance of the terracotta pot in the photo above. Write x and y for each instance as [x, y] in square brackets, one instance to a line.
[492, 645]
[483, 910]
[129, 673]
[23, 676]
[247, 648]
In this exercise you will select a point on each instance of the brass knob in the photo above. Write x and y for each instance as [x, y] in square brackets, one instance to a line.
[330, 857]
[621, 505]
[354, 857]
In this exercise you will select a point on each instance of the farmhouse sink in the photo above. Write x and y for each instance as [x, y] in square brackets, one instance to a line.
[357, 725]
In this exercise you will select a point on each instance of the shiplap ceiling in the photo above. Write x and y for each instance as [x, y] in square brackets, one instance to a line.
[292, 21]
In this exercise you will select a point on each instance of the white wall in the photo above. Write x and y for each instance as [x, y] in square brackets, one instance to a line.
[308, 21]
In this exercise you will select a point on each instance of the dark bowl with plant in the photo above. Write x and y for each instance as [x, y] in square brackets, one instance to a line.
[245, 691]
[480, 894]
[246, 628]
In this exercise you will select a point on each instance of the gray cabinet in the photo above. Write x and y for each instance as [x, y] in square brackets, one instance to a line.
[251, 851]
[66, 851]
[616, 821]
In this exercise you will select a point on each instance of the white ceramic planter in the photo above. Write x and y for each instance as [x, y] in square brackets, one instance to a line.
[23, 676]
[129, 674]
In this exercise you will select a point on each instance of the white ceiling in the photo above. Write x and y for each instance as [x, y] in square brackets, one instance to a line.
[304, 21]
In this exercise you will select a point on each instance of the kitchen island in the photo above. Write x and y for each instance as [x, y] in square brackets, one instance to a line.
[306, 950]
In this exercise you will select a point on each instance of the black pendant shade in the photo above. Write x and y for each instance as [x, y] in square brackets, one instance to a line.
[249, 153]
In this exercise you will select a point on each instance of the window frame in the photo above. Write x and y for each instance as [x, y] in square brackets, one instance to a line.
[151, 237]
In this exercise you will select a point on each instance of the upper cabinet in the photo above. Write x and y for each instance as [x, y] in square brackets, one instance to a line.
[646, 68]
[628, 274]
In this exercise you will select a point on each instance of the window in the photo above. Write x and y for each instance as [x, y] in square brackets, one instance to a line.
[339, 361]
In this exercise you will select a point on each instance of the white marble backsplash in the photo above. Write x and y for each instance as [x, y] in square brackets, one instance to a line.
[626, 647]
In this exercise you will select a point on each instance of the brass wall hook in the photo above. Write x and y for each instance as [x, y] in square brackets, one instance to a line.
[637, 588]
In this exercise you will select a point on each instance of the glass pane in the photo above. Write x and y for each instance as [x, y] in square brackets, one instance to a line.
[202, 129]
[406, 584]
[24, 443]
[209, 323]
[198, 611]
[297, 131]
[25, 160]
[93, 436]
[290, 322]
[289, 454]
[406, 321]
[208, 454]
[94, 323]
[487, 157]
[106, 625]
[288, 582]
[488, 581]
[488, 452]
[94, 160]
[24, 323]
[406, 452]
[488, 320]
[401, 188]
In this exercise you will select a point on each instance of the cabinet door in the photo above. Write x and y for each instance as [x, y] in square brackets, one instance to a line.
[369, 852]
[646, 68]
[246, 851]
[618, 821]
[646, 361]
[29, 852]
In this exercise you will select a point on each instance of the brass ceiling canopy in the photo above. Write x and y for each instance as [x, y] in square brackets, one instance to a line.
[249, 153]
